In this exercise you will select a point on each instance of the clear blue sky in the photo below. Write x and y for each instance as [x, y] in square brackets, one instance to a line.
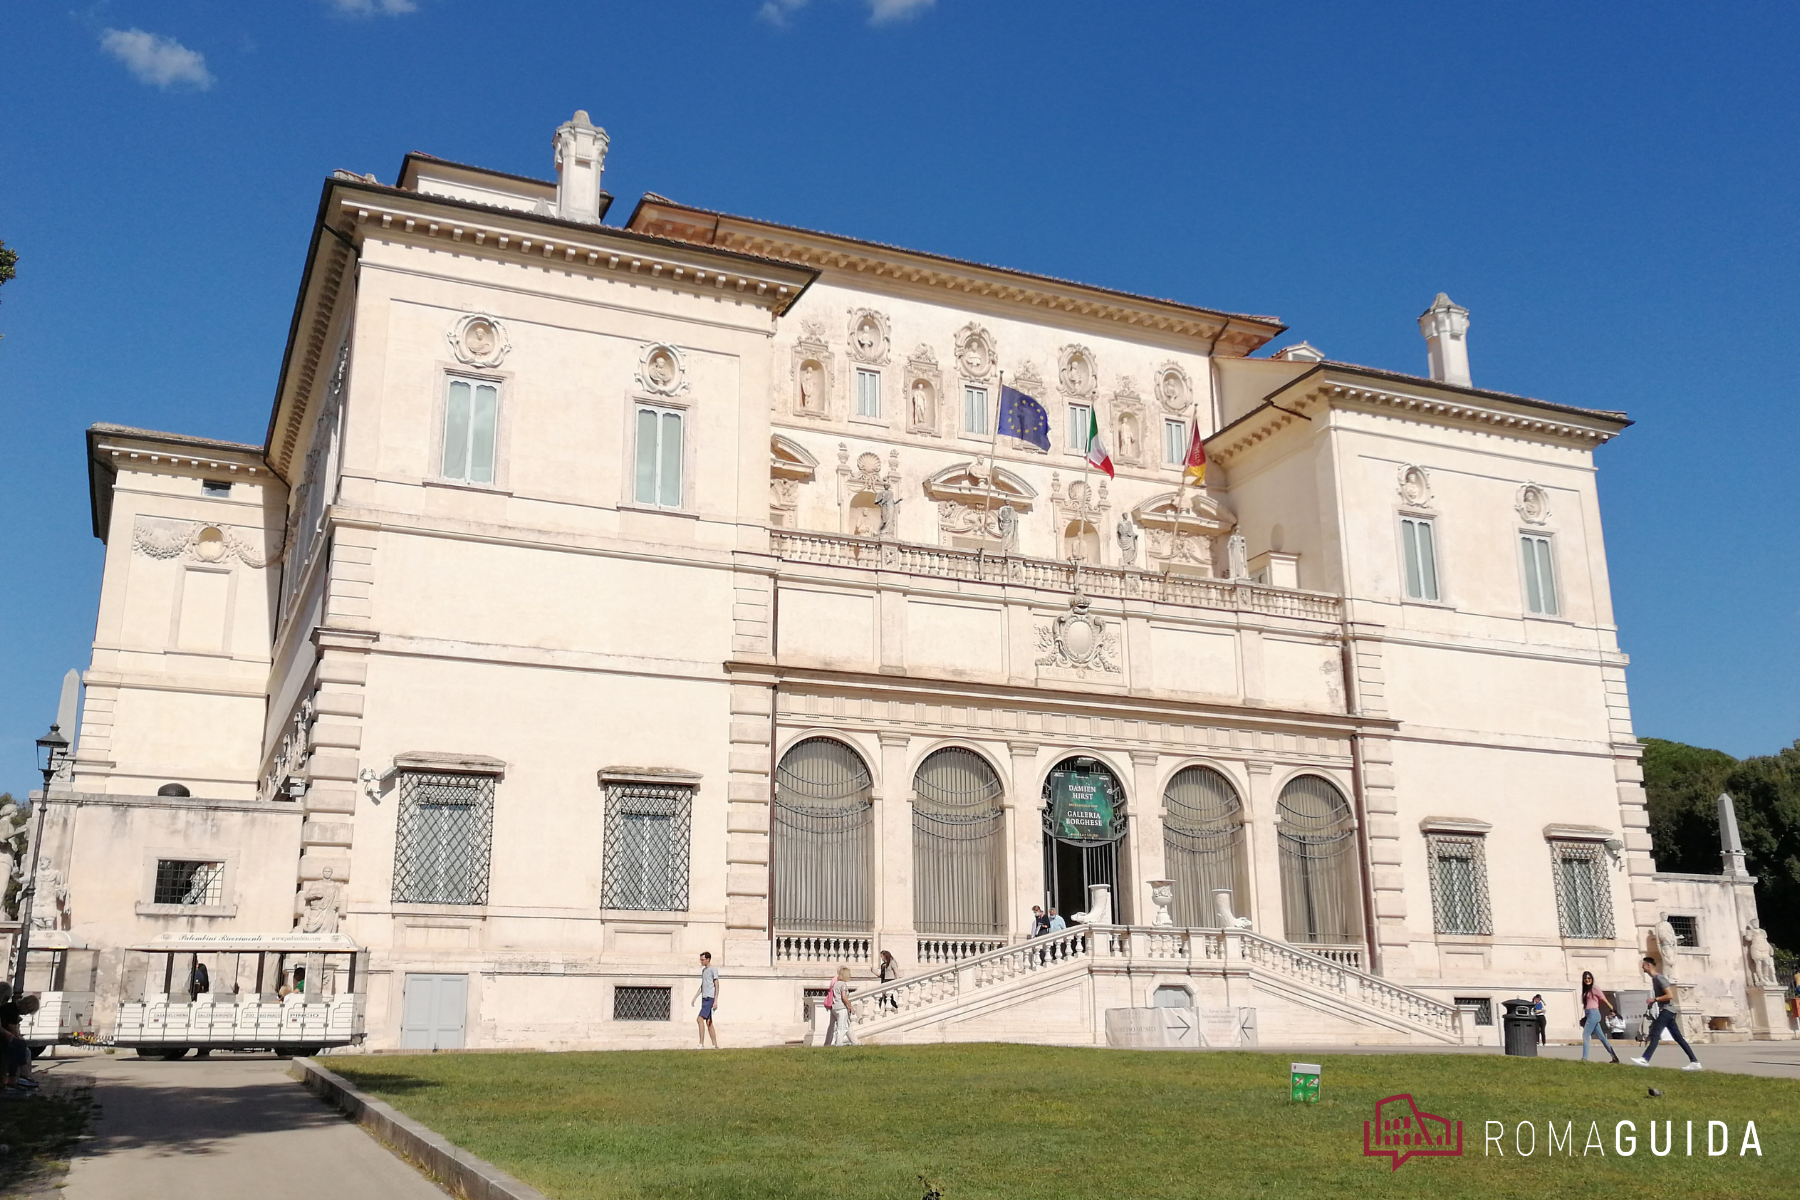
[1611, 189]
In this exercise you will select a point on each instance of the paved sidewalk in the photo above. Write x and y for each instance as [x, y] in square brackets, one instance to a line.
[1779, 1060]
[222, 1129]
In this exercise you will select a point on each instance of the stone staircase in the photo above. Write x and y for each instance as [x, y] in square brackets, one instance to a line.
[1058, 988]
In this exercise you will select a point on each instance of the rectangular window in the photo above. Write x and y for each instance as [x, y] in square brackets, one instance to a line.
[196, 883]
[1687, 929]
[471, 414]
[1583, 894]
[1459, 891]
[1540, 575]
[975, 414]
[646, 857]
[1079, 425]
[1484, 1008]
[658, 457]
[1175, 442]
[641, 1003]
[216, 487]
[444, 836]
[1418, 547]
[868, 393]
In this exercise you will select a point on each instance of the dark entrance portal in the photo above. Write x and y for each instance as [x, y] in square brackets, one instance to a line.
[1071, 864]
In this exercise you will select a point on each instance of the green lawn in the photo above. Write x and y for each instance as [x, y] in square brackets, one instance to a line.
[995, 1121]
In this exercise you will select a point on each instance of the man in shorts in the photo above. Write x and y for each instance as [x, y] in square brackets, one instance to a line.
[708, 996]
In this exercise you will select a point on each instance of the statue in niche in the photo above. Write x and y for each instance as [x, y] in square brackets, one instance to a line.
[1128, 437]
[662, 370]
[922, 415]
[324, 901]
[812, 379]
[1006, 523]
[1128, 540]
[1762, 956]
[867, 338]
[1237, 556]
[889, 504]
[1077, 375]
[975, 359]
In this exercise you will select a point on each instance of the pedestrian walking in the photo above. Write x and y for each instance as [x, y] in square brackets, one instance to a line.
[17, 1060]
[1592, 1001]
[837, 1003]
[1537, 1013]
[1664, 1016]
[888, 971]
[708, 996]
[1040, 924]
[1057, 924]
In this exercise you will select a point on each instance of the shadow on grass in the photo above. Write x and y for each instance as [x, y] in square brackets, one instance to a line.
[390, 1084]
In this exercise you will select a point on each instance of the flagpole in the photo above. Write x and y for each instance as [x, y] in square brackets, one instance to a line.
[1087, 453]
[1181, 492]
[993, 447]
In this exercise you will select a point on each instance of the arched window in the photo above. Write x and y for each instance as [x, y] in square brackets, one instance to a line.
[1203, 845]
[1319, 879]
[959, 846]
[821, 838]
[1081, 847]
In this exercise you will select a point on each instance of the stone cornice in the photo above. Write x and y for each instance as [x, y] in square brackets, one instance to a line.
[115, 447]
[349, 210]
[1326, 388]
[1234, 334]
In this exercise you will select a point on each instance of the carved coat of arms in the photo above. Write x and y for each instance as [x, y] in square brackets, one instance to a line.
[1080, 641]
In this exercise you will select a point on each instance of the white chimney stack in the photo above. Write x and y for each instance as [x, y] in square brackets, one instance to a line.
[1446, 329]
[580, 161]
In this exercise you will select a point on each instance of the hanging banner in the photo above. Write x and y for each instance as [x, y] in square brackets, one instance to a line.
[1081, 806]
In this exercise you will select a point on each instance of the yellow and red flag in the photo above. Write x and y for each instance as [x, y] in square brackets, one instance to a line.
[1195, 470]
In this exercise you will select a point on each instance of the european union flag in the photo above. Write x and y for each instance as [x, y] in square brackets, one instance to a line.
[1023, 418]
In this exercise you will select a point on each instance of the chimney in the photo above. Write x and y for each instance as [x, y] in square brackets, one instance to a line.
[580, 160]
[1446, 329]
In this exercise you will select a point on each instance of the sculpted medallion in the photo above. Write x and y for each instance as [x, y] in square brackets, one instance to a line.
[1076, 374]
[1533, 504]
[868, 336]
[1174, 391]
[974, 352]
[479, 340]
[662, 370]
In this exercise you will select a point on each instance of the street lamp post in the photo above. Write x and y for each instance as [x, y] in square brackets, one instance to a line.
[52, 752]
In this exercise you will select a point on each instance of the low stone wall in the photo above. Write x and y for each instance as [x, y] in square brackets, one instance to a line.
[454, 1169]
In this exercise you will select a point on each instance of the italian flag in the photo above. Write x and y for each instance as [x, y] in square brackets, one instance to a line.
[1097, 455]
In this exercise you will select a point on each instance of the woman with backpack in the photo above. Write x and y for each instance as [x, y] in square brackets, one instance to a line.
[1592, 1001]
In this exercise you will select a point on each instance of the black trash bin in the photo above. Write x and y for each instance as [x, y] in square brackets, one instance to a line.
[1521, 1028]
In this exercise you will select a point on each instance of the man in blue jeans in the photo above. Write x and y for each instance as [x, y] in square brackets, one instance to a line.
[1662, 998]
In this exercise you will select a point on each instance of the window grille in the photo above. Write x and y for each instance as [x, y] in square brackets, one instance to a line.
[810, 998]
[1175, 442]
[959, 846]
[1203, 845]
[868, 393]
[1079, 427]
[646, 860]
[1418, 545]
[820, 836]
[975, 410]
[641, 1003]
[658, 457]
[1583, 897]
[1540, 574]
[1687, 929]
[195, 883]
[1320, 883]
[445, 832]
[1459, 889]
[471, 417]
[1484, 1008]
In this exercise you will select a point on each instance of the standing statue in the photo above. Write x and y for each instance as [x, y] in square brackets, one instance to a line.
[921, 405]
[324, 901]
[1006, 523]
[1228, 918]
[1128, 540]
[1762, 957]
[1237, 553]
[50, 902]
[1663, 935]
[889, 504]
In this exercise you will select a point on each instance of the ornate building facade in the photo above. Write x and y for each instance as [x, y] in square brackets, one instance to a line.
[605, 594]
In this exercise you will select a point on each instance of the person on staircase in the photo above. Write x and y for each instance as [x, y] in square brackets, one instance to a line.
[837, 1003]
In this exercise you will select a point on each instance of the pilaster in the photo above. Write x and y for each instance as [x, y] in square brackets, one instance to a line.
[1146, 840]
[747, 802]
[1024, 833]
[893, 853]
[1387, 880]
[1263, 905]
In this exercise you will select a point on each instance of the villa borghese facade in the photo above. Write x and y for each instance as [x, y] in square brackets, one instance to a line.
[607, 593]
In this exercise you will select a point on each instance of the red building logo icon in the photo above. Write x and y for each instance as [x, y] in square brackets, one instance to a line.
[1400, 1131]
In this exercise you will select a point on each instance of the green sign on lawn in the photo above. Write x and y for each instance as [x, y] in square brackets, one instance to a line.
[1081, 805]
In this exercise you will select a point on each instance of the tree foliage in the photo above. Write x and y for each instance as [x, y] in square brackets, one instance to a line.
[1683, 785]
[9, 262]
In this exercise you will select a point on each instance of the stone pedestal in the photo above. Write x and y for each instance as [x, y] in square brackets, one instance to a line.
[1769, 1019]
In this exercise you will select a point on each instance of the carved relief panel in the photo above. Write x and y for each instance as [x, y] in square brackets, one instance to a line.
[1182, 532]
[868, 499]
[979, 506]
[813, 373]
[1080, 516]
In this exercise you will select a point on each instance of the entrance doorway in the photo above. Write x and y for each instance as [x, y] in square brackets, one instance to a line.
[1073, 864]
[432, 1012]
